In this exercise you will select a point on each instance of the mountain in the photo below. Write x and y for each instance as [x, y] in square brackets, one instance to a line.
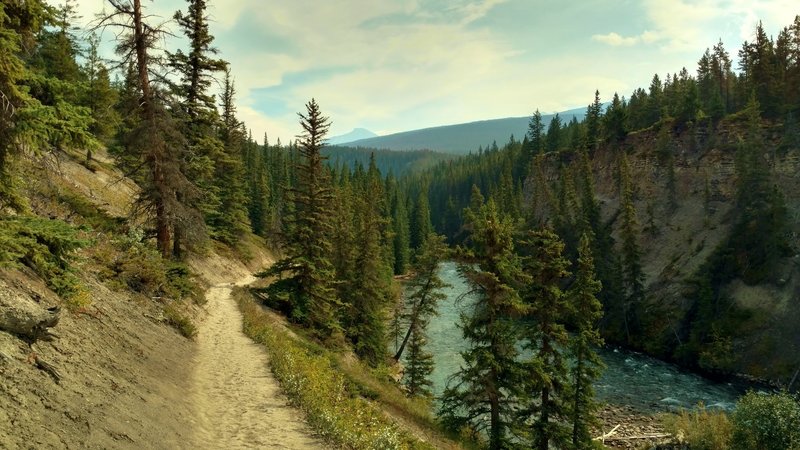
[461, 138]
[355, 135]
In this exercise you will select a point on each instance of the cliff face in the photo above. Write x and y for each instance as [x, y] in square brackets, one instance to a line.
[683, 219]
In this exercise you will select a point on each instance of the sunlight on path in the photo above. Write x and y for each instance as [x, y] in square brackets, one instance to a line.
[237, 401]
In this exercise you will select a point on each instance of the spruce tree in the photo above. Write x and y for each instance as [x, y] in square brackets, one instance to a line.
[586, 311]
[546, 376]
[416, 376]
[632, 272]
[487, 386]
[309, 288]
[424, 289]
[420, 219]
[401, 243]
[19, 22]
[152, 135]
[369, 291]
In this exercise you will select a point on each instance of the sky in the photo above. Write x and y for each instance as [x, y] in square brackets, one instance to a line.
[399, 65]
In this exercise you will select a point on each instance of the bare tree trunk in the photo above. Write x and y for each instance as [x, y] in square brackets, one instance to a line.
[155, 156]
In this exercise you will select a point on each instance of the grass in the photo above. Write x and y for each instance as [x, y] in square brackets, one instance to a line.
[701, 429]
[330, 392]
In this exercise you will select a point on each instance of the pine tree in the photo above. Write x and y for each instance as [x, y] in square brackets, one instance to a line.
[152, 134]
[536, 136]
[546, 376]
[633, 274]
[586, 363]
[420, 365]
[759, 238]
[488, 384]
[425, 287]
[593, 123]
[420, 219]
[229, 219]
[554, 134]
[401, 243]
[369, 291]
[309, 289]
[19, 22]
[100, 96]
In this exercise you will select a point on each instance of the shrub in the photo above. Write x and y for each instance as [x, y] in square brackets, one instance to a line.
[766, 422]
[179, 321]
[701, 429]
[44, 245]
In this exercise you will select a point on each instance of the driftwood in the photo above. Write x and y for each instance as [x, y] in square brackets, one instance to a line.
[603, 437]
[642, 436]
[24, 318]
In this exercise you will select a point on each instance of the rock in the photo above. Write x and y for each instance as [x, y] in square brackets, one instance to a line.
[23, 317]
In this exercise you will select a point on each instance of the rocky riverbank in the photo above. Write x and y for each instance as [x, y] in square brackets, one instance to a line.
[625, 428]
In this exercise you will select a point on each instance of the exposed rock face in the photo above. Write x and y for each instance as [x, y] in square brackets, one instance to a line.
[675, 243]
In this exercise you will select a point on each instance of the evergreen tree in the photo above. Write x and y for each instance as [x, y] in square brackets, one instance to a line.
[229, 219]
[401, 242]
[420, 219]
[536, 136]
[586, 363]
[19, 22]
[614, 121]
[545, 334]
[416, 376]
[369, 291]
[633, 274]
[309, 290]
[759, 234]
[100, 96]
[151, 134]
[554, 134]
[593, 123]
[424, 289]
[488, 384]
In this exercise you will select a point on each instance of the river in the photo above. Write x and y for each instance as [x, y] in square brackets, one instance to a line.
[646, 384]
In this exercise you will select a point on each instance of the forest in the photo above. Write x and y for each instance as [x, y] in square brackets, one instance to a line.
[553, 268]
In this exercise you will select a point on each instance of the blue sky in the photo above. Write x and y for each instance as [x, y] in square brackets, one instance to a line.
[396, 65]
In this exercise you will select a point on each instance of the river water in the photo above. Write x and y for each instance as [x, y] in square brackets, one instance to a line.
[646, 384]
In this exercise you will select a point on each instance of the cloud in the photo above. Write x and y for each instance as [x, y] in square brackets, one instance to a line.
[616, 40]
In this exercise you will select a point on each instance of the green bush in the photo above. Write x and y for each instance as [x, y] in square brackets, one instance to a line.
[766, 422]
[142, 269]
[701, 429]
[180, 321]
[44, 245]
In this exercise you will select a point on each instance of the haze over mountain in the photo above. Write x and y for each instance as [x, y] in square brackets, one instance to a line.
[356, 134]
[461, 138]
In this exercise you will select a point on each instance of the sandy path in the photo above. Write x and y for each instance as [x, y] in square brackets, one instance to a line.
[237, 400]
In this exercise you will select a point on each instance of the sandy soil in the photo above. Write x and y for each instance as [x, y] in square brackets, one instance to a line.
[237, 401]
[129, 381]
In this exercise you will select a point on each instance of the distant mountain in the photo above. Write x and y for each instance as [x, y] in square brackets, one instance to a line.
[356, 134]
[461, 138]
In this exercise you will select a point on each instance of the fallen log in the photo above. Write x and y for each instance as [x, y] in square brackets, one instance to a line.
[24, 318]
[641, 436]
[605, 436]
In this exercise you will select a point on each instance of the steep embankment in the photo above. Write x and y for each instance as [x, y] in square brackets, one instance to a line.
[677, 241]
[117, 375]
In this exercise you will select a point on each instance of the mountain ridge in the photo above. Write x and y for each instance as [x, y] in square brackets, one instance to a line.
[461, 138]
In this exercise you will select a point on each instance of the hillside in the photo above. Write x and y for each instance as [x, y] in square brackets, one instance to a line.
[461, 138]
[677, 244]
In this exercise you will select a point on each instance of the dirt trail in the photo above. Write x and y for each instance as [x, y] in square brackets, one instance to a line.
[237, 400]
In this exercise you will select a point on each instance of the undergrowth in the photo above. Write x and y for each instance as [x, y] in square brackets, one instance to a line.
[46, 246]
[331, 406]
